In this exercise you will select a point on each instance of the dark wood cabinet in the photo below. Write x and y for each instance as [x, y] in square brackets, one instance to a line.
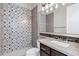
[43, 53]
[47, 51]
[44, 50]
[56, 53]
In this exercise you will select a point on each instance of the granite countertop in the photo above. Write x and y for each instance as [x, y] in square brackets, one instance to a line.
[72, 50]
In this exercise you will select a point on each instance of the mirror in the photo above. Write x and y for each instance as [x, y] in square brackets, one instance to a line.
[62, 19]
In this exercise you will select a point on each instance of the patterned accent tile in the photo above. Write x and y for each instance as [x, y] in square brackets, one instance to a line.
[16, 28]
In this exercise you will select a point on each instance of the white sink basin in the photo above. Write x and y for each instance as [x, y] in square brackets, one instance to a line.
[63, 44]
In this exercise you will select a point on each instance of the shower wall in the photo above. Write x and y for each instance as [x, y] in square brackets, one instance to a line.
[15, 28]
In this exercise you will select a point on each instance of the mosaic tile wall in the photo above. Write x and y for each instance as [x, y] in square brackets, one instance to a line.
[16, 28]
[0, 27]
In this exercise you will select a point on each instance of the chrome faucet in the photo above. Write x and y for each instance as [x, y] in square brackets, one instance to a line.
[66, 40]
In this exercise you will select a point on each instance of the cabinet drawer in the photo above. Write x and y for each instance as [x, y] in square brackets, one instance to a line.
[56, 53]
[45, 48]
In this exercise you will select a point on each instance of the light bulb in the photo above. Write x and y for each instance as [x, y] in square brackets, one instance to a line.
[47, 11]
[51, 8]
[46, 6]
[56, 6]
[42, 8]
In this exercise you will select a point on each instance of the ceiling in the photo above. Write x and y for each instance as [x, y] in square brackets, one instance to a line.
[59, 6]
[29, 6]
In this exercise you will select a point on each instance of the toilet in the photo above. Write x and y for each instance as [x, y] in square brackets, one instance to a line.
[34, 51]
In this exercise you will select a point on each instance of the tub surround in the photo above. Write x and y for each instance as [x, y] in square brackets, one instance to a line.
[72, 50]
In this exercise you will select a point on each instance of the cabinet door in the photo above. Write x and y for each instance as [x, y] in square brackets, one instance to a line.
[56, 53]
[45, 48]
[42, 53]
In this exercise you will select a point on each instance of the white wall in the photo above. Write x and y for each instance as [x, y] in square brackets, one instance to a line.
[73, 19]
[60, 20]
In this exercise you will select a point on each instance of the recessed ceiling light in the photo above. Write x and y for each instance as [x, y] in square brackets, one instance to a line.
[56, 6]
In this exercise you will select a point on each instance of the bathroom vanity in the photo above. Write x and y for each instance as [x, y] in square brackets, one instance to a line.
[53, 46]
[63, 38]
[47, 51]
